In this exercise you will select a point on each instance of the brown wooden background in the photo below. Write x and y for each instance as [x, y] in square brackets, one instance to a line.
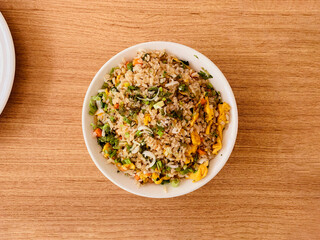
[269, 189]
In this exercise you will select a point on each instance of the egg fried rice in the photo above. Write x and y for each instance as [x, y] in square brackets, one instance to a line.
[158, 120]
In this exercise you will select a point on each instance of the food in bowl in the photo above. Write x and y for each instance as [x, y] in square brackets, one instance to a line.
[158, 120]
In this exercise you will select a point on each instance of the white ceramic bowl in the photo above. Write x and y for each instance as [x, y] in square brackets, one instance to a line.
[7, 62]
[229, 135]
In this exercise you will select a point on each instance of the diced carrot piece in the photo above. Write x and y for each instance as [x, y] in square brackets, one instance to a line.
[98, 132]
[136, 61]
[136, 177]
[148, 174]
[201, 152]
[203, 101]
[116, 106]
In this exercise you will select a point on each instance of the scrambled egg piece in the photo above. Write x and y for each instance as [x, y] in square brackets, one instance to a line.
[208, 110]
[217, 146]
[156, 176]
[223, 109]
[106, 91]
[188, 160]
[145, 177]
[106, 147]
[222, 121]
[219, 130]
[126, 167]
[160, 181]
[196, 141]
[209, 127]
[194, 119]
[147, 119]
[200, 173]
[195, 138]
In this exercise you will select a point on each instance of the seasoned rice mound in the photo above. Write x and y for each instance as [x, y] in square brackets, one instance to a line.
[158, 120]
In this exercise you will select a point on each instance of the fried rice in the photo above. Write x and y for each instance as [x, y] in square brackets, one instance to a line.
[158, 120]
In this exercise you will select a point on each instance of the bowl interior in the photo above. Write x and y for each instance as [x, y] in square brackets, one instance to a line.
[196, 60]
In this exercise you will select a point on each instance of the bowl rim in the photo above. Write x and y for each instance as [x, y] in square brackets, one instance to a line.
[9, 64]
[234, 117]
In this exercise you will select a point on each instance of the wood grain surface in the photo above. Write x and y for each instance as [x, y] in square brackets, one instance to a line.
[269, 189]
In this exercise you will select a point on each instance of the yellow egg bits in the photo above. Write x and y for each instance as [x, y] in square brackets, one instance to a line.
[105, 149]
[200, 173]
[194, 118]
[147, 119]
[156, 178]
[223, 109]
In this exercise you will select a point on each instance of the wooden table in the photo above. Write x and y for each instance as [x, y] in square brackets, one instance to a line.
[269, 189]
